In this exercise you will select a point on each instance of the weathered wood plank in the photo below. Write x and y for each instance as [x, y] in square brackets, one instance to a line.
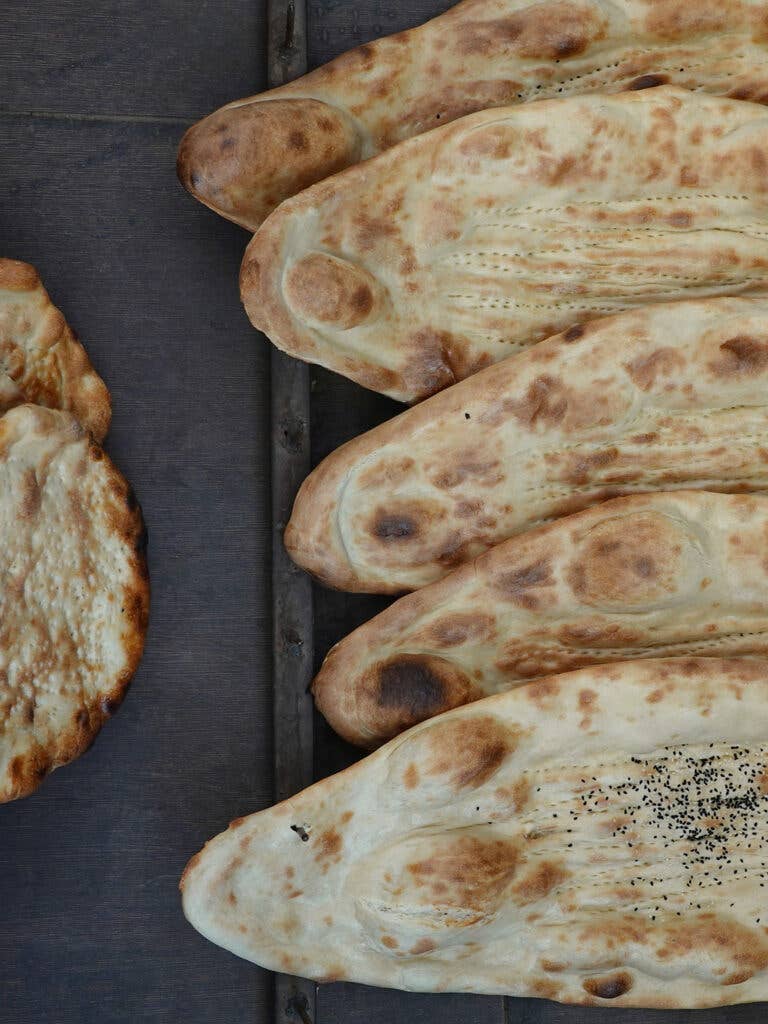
[292, 590]
[123, 58]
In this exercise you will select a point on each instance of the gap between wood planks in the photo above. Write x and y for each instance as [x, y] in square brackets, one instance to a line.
[55, 115]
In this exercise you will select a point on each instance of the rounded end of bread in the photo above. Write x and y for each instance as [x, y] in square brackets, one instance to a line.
[368, 705]
[17, 276]
[312, 538]
[246, 158]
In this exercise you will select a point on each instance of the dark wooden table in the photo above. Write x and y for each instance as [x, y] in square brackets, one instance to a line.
[95, 100]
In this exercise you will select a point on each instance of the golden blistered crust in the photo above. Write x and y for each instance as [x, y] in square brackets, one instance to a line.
[672, 574]
[664, 397]
[75, 596]
[250, 155]
[505, 848]
[41, 359]
[492, 233]
[243, 160]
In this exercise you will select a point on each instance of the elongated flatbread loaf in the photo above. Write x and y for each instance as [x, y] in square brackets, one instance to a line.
[462, 246]
[249, 155]
[668, 396]
[41, 360]
[659, 574]
[597, 838]
[74, 593]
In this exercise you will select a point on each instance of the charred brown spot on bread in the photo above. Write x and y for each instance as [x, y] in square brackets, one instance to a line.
[329, 844]
[371, 232]
[544, 988]
[460, 628]
[542, 691]
[492, 142]
[574, 333]
[544, 402]
[648, 81]
[552, 966]
[586, 699]
[331, 291]
[469, 752]
[609, 986]
[628, 560]
[676, 20]
[411, 776]
[297, 140]
[741, 950]
[741, 355]
[409, 688]
[546, 31]
[680, 219]
[435, 362]
[401, 522]
[30, 496]
[421, 947]
[540, 881]
[484, 471]
[468, 872]
[389, 941]
[663, 362]
[523, 586]
[581, 467]
[395, 527]
[410, 684]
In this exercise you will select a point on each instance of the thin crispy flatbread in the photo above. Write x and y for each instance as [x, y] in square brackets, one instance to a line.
[667, 574]
[41, 360]
[462, 246]
[595, 838]
[74, 593]
[660, 398]
[248, 156]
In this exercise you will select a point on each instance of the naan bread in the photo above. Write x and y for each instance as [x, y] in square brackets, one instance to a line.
[660, 398]
[659, 574]
[594, 838]
[74, 593]
[250, 155]
[462, 246]
[41, 360]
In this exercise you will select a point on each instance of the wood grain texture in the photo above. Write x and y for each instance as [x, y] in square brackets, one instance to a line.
[130, 57]
[293, 715]
[92, 930]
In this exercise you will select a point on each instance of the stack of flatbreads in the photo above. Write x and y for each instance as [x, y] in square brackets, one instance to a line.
[74, 591]
[575, 290]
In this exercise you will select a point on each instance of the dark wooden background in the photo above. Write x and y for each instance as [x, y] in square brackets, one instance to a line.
[94, 101]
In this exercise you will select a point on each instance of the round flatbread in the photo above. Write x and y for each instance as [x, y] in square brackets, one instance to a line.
[74, 593]
[41, 360]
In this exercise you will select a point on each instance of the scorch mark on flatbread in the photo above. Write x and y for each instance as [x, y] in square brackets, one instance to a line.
[74, 597]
